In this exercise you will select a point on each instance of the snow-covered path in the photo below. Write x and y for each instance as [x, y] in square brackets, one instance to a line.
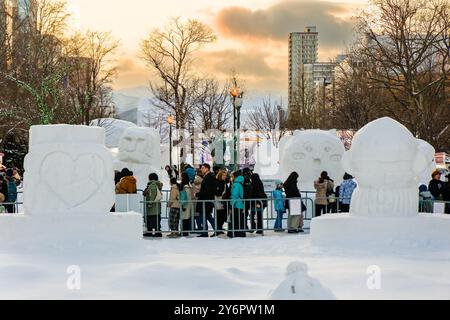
[202, 268]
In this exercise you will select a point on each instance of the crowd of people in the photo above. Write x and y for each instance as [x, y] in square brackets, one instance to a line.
[9, 182]
[437, 190]
[204, 198]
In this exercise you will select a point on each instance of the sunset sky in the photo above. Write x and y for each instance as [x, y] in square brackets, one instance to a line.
[252, 34]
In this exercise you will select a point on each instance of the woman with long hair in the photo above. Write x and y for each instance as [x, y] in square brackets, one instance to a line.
[295, 221]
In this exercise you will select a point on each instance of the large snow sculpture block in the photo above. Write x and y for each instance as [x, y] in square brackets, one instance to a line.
[140, 151]
[310, 152]
[386, 160]
[68, 193]
[68, 168]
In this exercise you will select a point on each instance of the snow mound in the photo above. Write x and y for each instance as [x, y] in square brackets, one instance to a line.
[298, 285]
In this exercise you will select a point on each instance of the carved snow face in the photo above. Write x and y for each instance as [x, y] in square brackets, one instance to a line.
[310, 152]
[140, 146]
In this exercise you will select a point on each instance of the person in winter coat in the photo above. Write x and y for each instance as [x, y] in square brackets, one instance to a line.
[248, 193]
[238, 206]
[446, 194]
[425, 199]
[436, 186]
[295, 222]
[345, 192]
[196, 186]
[190, 172]
[186, 205]
[278, 198]
[323, 187]
[153, 197]
[221, 207]
[127, 184]
[3, 189]
[257, 207]
[11, 192]
[174, 205]
[206, 195]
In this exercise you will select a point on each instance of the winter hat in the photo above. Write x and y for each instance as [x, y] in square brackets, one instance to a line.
[423, 188]
[278, 182]
[9, 172]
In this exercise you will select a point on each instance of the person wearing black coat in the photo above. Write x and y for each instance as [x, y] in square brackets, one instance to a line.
[221, 192]
[436, 186]
[446, 194]
[207, 192]
[257, 207]
[295, 222]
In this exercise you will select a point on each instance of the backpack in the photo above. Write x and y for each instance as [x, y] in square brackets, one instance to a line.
[12, 191]
[158, 196]
[183, 198]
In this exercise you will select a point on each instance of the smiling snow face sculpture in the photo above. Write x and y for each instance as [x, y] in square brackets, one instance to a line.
[140, 151]
[309, 153]
[386, 161]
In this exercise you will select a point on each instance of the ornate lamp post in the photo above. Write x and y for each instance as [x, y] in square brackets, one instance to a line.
[237, 104]
[170, 121]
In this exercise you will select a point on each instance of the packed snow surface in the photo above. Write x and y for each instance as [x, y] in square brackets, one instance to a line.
[214, 268]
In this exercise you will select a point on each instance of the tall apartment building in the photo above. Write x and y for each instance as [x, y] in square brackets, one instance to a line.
[303, 50]
[306, 74]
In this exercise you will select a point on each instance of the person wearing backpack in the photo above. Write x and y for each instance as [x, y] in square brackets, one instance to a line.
[186, 205]
[174, 205]
[238, 206]
[323, 187]
[257, 206]
[11, 196]
[278, 198]
[153, 198]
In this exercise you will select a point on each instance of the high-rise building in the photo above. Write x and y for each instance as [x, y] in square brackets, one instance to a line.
[303, 50]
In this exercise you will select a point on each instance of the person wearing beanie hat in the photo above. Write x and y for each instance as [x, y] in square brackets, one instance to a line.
[9, 172]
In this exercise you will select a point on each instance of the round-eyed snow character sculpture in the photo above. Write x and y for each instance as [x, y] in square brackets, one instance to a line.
[386, 160]
[140, 152]
[310, 152]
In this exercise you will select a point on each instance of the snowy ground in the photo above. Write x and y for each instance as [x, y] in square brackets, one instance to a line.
[202, 268]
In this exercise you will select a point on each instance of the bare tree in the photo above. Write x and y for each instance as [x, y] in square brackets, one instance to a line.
[169, 53]
[212, 108]
[304, 105]
[407, 45]
[89, 60]
[269, 120]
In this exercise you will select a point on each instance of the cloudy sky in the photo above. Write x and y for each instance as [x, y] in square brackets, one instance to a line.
[252, 34]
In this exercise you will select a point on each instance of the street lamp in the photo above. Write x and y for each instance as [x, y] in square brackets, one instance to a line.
[170, 121]
[237, 104]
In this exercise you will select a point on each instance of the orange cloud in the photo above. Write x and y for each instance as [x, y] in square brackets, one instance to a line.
[276, 22]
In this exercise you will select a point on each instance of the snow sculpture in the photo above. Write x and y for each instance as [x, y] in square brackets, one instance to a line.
[140, 151]
[386, 160]
[298, 285]
[114, 129]
[68, 169]
[429, 151]
[310, 152]
[68, 193]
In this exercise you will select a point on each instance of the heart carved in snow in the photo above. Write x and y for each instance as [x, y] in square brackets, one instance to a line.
[73, 180]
